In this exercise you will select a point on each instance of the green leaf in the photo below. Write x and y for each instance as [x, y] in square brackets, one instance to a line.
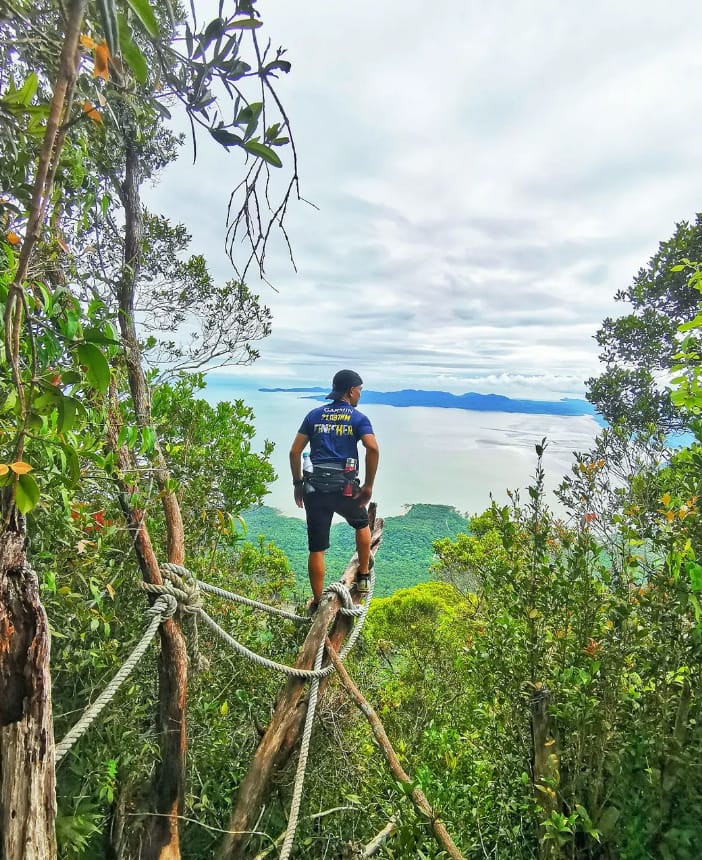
[131, 53]
[95, 335]
[98, 370]
[70, 326]
[213, 31]
[24, 95]
[226, 138]
[26, 493]
[250, 113]
[47, 300]
[47, 402]
[283, 65]
[161, 108]
[142, 9]
[264, 152]
[72, 464]
[68, 409]
[695, 571]
[148, 440]
[245, 24]
[70, 377]
[692, 324]
[235, 69]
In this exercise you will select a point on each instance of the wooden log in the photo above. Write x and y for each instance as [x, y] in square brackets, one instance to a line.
[285, 728]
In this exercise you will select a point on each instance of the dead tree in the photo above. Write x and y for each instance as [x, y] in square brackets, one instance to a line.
[285, 728]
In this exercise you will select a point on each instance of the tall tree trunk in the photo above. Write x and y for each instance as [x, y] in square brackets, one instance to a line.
[27, 765]
[161, 831]
[285, 728]
[168, 791]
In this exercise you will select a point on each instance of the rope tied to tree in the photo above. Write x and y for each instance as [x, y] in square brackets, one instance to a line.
[187, 598]
[164, 607]
[179, 574]
[181, 584]
[186, 591]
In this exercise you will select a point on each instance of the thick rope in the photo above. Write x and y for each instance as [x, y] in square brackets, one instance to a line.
[179, 570]
[293, 671]
[302, 760]
[164, 607]
[183, 586]
[309, 719]
[188, 600]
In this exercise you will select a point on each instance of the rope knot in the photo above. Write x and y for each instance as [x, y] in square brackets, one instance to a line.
[165, 605]
[186, 585]
[348, 607]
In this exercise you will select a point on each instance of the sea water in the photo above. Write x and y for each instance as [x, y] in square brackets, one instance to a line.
[428, 455]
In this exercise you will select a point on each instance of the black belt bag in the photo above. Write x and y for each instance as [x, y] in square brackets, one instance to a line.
[332, 479]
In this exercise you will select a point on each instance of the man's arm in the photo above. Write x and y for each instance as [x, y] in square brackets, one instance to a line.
[370, 443]
[298, 446]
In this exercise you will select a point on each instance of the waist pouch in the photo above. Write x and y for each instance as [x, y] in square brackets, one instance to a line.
[330, 478]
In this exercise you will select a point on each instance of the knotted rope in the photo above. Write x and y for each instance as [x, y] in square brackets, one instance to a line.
[181, 584]
[164, 607]
[179, 571]
[182, 588]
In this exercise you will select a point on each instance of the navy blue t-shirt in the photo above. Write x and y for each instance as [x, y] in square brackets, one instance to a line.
[334, 430]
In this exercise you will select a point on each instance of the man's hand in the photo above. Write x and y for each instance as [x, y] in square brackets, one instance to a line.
[364, 495]
[299, 495]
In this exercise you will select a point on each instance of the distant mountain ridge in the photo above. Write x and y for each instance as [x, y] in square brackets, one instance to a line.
[471, 401]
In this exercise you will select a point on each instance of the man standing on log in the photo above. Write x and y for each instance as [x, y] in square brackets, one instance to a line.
[332, 486]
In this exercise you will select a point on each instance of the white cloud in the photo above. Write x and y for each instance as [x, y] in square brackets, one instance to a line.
[487, 175]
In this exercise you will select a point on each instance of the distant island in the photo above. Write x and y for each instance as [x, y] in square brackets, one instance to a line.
[472, 401]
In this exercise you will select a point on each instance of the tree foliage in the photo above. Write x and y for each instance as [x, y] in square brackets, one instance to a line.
[638, 348]
[87, 276]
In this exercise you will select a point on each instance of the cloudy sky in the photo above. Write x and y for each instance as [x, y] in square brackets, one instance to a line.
[487, 176]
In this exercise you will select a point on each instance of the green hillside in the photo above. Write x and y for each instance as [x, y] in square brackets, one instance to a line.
[404, 556]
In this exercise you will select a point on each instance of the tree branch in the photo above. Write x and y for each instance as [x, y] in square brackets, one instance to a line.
[416, 795]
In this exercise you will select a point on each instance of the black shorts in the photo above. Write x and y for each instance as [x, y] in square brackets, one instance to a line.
[321, 507]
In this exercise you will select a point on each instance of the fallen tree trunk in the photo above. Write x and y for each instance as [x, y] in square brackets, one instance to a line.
[285, 728]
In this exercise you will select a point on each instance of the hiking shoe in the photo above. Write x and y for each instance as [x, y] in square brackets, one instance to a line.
[363, 579]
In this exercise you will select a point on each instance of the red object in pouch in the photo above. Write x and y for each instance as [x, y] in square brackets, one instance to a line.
[348, 468]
